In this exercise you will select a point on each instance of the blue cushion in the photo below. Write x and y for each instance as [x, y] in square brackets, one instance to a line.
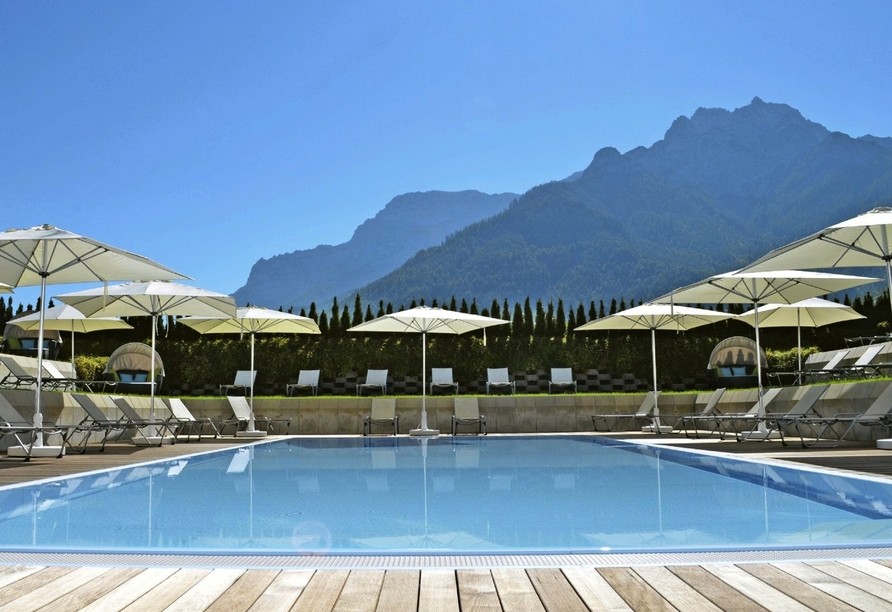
[141, 377]
[28, 343]
[125, 376]
[738, 371]
[725, 371]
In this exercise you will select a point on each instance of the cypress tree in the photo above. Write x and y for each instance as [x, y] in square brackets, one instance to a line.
[474, 306]
[613, 306]
[381, 312]
[335, 322]
[357, 311]
[464, 306]
[484, 312]
[435, 303]
[571, 321]
[601, 313]
[412, 305]
[345, 320]
[368, 313]
[580, 315]
[323, 323]
[560, 323]
[541, 326]
[389, 308]
[622, 304]
[517, 325]
[494, 310]
[550, 326]
[528, 320]
[452, 305]
[303, 312]
[313, 314]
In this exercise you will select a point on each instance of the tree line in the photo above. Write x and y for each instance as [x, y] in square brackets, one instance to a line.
[536, 336]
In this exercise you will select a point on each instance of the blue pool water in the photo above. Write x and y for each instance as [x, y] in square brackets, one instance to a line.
[491, 495]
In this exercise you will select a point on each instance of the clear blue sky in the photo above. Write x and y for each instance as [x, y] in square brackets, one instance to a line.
[207, 134]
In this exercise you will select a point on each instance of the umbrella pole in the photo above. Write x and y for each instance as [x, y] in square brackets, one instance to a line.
[38, 418]
[799, 344]
[251, 425]
[423, 429]
[72, 347]
[151, 428]
[761, 429]
[653, 352]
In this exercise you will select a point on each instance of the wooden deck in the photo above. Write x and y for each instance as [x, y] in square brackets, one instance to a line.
[839, 585]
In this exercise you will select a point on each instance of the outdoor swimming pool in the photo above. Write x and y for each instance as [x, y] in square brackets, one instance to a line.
[493, 495]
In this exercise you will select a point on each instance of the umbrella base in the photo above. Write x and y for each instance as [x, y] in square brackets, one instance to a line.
[662, 429]
[153, 441]
[885, 444]
[421, 433]
[37, 451]
[250, 433]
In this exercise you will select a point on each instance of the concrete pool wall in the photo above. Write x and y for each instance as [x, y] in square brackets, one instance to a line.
[504, 414]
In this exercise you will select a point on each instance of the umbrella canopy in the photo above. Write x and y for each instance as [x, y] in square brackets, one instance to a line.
[67, 318]
[152, 299]
[861, 241]
[48, 255]
[4, 288]
[813, 312]
[253, 320]
[771, 287]
[425, 320]
[654, 317]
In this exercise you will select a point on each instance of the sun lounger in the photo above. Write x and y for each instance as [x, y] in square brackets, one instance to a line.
[375, 380]
[139, 423]
[612, 421]
[561, 380]
[726, 423]
[467, 412]
[497, 380]
[441, 380]
[244, 380]
[879, 414]
[383, 413]
[96, 421]
[705, 417]
[828, 371]
[307, 383]
[241, 415]
[17, 375]
[187, 423]
[15, 425]
[800, 409]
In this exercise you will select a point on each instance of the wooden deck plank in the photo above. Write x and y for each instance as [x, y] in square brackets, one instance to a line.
[516, 592]
[53, 590]
[130, 591]
[14, 573]
[835, 587]
[635, 590]
[31, 582]
[801, 591]
[871, 568]
[674, 590]
[283, 591]
[360, 592]
[246, 590]
[88, 592]
[594, 591]
[555, 591]
[168, 591]
[438, 591]
[477, 591]
[399, 593]
[206, 591]
[765, 595]
[868, 584]
[322, 591]
[720, 593]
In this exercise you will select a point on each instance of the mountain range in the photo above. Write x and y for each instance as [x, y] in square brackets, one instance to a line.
[719, 190]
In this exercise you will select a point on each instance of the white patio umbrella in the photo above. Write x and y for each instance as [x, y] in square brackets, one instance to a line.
[154, 298]
[253, 320]
[426, 320]
[813, 312]
[861, 241]
[67, 318]
[654, 317]
[48, 255]
[4, 288]
[775, 287]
